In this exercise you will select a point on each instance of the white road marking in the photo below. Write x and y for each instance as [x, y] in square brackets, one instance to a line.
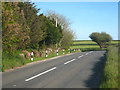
[86, 54]
[40, 74]
[69, 61]
[90, 51]
[14, 85]
[80, 56]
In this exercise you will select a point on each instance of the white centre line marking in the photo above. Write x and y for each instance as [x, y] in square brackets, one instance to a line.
[86, 54]
[90, 51]
[80, 56]
[69, 61]
[14, 85]
[40, 74]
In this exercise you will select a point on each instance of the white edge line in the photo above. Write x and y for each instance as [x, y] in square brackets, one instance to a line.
[80, 56]
[86, 53]
[14, 85]
[40, 74]
[90, 51]
[69, 61]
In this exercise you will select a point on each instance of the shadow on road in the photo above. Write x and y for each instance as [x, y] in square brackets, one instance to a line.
[94, 80]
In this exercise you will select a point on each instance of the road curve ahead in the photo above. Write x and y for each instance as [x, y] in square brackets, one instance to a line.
[79, 70]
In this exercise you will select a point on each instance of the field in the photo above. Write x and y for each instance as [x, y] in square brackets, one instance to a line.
[83, 44]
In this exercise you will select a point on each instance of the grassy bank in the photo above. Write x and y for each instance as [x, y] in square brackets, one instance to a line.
[10, 61]
[110, 75]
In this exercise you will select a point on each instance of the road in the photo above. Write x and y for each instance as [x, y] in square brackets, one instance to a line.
[79, 70]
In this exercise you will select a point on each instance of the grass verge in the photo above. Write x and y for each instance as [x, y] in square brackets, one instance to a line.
[10, 61]
[110, 75]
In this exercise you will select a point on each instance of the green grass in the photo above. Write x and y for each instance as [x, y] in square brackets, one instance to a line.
[10, 61]
[115, 41]
[110, 76]
[91, 42]
[49, 56]
[14, 60]
[85, 44]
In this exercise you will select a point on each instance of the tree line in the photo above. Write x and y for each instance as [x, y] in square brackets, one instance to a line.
[24, 28]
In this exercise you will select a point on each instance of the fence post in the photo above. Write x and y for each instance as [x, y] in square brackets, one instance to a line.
[57, 52]
[63, 51]
[68, 50]
[46, 53]
[32, 56]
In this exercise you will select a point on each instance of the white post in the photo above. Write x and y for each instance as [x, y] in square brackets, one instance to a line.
[57, 52]
[69, 50]
[46, 53]
[31, 59]
[32, 56]
[63, 51]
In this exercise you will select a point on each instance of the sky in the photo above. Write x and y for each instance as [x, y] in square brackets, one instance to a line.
[86, 17]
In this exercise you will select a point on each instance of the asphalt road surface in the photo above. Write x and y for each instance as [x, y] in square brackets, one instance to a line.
[79, 70]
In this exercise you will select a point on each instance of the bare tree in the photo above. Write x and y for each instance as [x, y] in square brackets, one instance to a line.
[61, 20]
[68, 34]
